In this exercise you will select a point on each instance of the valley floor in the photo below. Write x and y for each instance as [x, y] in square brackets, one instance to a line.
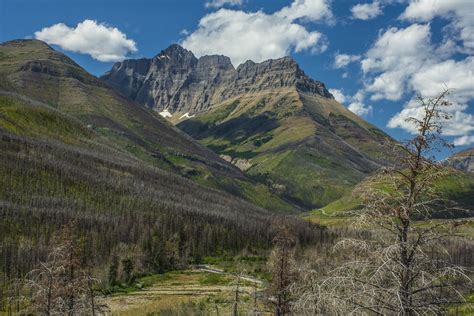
[188, 292]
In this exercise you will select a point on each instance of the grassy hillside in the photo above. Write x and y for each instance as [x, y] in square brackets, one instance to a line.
[132, 186]
[458, 187]
[307, 148]
[32, 71]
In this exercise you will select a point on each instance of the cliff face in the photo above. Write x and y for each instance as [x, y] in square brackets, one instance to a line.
[178, 81]
[463, 160]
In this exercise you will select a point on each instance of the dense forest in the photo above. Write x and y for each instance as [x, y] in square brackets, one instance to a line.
[119, 209]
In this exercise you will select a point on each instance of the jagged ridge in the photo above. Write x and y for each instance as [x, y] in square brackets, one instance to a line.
[178, 81]
[31, 70]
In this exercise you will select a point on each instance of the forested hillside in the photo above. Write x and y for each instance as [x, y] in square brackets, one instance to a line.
[31, 68]
[131, 186]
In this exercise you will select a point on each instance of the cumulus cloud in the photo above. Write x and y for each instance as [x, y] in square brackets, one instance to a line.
[457, 75]
[338, 95]
[221, 3]
[342, 60]
[464, 141]
[257, 35]
[309, 10]
[429, 68]
[428, 82]
[358, 105]
[395, 56]
[459, 12]
[405, 60]
[366, 11]
[360, 108]
[461, 123]
[102, 42]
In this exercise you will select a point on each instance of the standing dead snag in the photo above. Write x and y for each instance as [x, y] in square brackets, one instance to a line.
[404, 269]
[60, 285]
[283, 270]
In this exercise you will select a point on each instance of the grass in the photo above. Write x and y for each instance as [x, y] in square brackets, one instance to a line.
[255, 266]
[457, 186]
[214, 279]
[292, 155]
[465, 309]
[174, 290]
[19, 117]
[75, 108]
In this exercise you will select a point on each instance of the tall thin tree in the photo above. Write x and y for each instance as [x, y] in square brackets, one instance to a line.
[405, 268]
[283, 270]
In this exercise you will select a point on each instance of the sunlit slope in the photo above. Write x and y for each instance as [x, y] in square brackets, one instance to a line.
[31, 70]
[457, 187]
[55, 171]
[306, 147]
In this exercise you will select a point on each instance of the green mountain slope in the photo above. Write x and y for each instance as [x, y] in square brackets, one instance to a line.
[31, 70]
[55, 171]
[306, 147]
[458, 187]
[133, 187]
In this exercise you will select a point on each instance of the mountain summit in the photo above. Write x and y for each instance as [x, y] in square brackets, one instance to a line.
[269, 119]
[46, 95]
[177, 81]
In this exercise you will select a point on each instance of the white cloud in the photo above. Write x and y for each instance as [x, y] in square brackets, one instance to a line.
[366, 11]
[436, 69]
[461, 123]
[221, 3]
[428, 81]
[309, 10]
[459, 12]
[394, 58]
[464, 140]
[356, 102]
[338, 95]
[102, 42]
[259, 36]
[456, 75]
[342, 60]
[358, 106]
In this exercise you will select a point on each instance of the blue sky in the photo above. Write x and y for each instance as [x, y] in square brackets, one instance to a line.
[374, 55]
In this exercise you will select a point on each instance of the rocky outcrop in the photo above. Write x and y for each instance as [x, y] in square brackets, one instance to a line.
[178, 81]
[273, 74]
[463, 160]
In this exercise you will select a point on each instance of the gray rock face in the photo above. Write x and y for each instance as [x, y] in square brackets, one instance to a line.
[178, 81]
[463, 160]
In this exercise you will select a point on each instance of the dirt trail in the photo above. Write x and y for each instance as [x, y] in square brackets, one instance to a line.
[208, 268]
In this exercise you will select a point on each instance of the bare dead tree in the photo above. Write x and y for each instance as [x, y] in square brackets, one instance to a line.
[235, 308]
[404, 269]
[255, 308]
[282, 266]
[237, 291]
[60, 286]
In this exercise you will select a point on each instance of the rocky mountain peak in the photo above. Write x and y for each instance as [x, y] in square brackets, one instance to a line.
[216, 61]
[175, 54]
[178, 81]
[284, 64]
